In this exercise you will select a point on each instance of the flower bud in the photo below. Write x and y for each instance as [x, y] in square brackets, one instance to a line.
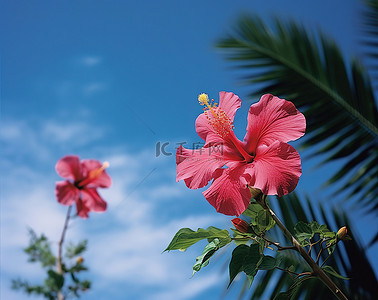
[79, 260]
[241, 225]
[341, 234]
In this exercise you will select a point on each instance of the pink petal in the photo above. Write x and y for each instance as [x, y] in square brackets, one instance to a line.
[66, 193]
[275, 170]
[93, 200]
[103, 180]
[229, 103]
[82, 209]
[197, 166]
[206, 131]
[69, 167]
[227, 193]
[273, 119]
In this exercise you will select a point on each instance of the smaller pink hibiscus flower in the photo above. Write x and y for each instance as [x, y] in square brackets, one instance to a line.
[263, 160]
[82, 179]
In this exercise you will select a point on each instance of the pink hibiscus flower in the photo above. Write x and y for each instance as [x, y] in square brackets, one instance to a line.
[263, 160]
[82, 179]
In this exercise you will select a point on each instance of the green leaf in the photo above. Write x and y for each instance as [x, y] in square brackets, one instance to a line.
[186, 237]
[252, 260]
[292, 291]
[54, 280]
[203, 259]
[237, 261]
[73, 250]
[39, 250]
[252, 211]
[303, 233]
[333, 272]
[261, 220]
[267, 263]
[245, 258]
[239, 239]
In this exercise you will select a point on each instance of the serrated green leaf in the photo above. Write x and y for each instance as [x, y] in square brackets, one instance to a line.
[333, 272]
[203, 259]
[186, 237]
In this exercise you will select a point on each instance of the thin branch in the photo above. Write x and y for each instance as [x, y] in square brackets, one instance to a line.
[312, 244]
[61, 241]
[317, 271]
[286, 270]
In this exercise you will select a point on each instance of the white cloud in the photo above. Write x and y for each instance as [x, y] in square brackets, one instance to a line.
[90, 61]
[78, 132]
[94, 87]
[126, 242]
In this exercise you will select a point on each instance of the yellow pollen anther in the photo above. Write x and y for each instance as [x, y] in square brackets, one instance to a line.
[97, 172]
[216, 117]
[203, 99]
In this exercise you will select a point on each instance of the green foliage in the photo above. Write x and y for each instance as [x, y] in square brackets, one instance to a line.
[261, 220]
[249, 259]
[39, 251]
[245, 258]
[332, 271]
[351, 260]
[203, 259]
[54, 281]
[268, 263]
[335, 95]
[305, 232]
[370, 38]
[293, 289]
[73, 250]
[186, 237]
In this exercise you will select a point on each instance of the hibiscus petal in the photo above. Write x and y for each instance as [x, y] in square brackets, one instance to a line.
[227, 194]
[69, 167]
[93, 200]
[206, 131]
[82, 209]
[197, 166]
[229, 103]
[275, 170]
[66, 193]
[273, 119]
[103, 180]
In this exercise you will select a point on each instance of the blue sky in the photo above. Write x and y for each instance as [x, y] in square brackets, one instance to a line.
[108, 80]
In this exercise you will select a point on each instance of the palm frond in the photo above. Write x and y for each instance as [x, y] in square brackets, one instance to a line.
[335, 96]
[370, 38]
[349, 259]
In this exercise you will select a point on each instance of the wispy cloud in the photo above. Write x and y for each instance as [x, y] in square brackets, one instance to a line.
[93, 88]
[127, 241]
[90, 60]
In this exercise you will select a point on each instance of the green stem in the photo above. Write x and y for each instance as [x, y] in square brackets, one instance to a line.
[317, 271]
